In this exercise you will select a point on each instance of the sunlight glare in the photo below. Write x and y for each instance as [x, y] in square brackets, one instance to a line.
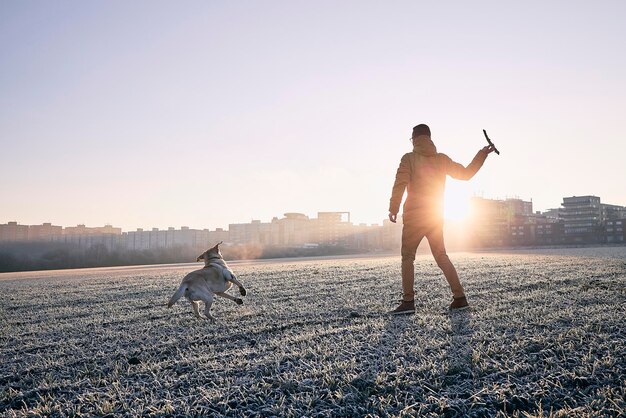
[456, 201]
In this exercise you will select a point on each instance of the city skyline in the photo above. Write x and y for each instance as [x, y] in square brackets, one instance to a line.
[509, 223]
[155, 114]
[108, 228]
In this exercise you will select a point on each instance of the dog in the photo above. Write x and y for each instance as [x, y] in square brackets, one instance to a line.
[201, 285]
[218, 262]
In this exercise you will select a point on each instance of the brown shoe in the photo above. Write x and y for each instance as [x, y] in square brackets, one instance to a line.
[458, 304]
[404, 308]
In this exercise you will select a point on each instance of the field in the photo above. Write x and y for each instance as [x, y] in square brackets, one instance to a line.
[546, 335]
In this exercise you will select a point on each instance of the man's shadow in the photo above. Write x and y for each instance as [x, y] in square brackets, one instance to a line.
[387, 349]
[382, 352]
[459, 353]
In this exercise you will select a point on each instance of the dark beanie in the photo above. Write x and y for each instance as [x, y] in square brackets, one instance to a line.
[420, 129]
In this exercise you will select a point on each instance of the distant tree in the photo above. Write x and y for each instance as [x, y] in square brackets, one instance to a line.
[57, 258]
[8, 262]
[96, 255]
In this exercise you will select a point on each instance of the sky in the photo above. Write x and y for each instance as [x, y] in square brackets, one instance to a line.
[203, 113]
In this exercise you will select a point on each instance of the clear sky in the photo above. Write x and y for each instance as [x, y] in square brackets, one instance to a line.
[205, 113]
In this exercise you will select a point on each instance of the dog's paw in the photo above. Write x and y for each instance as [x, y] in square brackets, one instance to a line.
[242, 291]
[239, 301]
[208, 318]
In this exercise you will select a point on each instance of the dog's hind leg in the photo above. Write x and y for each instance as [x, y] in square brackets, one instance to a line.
[207, 308]
[196, 308]
[227, 296]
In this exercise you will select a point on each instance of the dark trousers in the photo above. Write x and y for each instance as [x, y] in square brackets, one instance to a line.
[412, 235]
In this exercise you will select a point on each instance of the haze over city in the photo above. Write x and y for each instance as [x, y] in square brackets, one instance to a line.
[157, 114]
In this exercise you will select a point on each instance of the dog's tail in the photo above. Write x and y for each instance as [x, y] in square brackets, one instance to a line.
[179, 293]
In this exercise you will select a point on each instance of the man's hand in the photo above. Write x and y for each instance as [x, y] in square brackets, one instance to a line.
[393, 217]
[488, 149]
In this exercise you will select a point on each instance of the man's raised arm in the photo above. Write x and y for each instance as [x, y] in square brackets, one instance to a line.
[457, 171]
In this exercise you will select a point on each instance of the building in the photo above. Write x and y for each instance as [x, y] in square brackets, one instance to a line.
[171, 238]
[589, 221]
[81, 229]
[391, 238]
[366, 237]
[615, 231]
[555, 213]
[44, 232]
[219, 235]
[518, 208]
[293, 230]
[611, 212]
[521, 234]
[254, 232]
[332, 228]
[86, 237]
[490, 220]
[582, 217]
[11, 231]
[548, 230]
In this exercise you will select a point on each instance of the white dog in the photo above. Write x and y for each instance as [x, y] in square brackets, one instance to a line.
[214, 279]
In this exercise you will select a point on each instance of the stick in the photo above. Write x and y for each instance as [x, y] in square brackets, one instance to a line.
[491, 143]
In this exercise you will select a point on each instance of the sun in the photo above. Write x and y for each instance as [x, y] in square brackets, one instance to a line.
[456, 202]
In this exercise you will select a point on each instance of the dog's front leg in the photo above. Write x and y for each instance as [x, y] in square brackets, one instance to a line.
[242, 290]
[227, 296]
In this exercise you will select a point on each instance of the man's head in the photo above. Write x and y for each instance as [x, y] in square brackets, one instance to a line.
[419, 130]
[421, 140]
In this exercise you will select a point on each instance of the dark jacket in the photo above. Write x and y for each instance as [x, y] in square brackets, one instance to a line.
[423, 174]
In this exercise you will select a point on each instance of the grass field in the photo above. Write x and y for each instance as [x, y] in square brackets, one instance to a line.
[546, 335]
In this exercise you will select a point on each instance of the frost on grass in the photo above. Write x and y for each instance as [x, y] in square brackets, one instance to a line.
[546, 336]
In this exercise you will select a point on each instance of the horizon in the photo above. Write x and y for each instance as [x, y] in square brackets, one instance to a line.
[154, 114]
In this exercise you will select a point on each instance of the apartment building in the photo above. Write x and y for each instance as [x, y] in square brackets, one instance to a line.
[12, 231]
[492, 220]
[44, 232]
[81, 229]
[615, 231]
[582, 217]
[553, 214]
[549, 231]
[391, 235]
[612, 212]
[169, 238]
[332, 228]
[293, 230]
[255, 232]
[588, 220]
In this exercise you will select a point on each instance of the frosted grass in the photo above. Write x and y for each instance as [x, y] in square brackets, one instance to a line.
[546, 335]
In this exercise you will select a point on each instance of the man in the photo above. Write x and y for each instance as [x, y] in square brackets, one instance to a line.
[423, 174]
